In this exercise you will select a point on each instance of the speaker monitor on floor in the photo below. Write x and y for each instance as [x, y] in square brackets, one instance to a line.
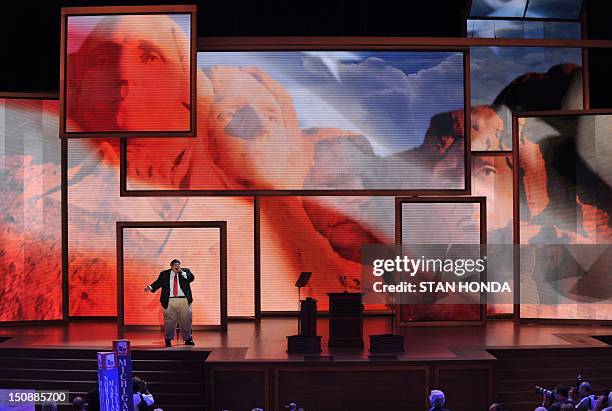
[303, 344]
[386, 343]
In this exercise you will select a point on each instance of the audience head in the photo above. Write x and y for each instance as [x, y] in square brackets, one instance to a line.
[93, 400]
[78, 403]
[436, 398]
[49, 406]
[584, 390]
[561, 392]
[137, 384]
[497, 407]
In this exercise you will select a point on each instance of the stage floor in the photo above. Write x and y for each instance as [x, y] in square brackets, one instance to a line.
[266, 341]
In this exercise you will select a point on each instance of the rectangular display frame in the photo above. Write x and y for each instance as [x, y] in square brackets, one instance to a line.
[63, 178]
[516, 214]
[482, 202]
[508, 154]
[280, 44]
[126, 10]
[221, 225]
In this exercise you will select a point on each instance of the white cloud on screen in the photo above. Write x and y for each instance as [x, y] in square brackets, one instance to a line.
[391, 107]
[333, 60]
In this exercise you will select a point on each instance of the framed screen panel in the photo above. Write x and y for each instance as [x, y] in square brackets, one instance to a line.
[492, 178]
[94, 206]
[30, 199]
[317, 123]
[564, 203]
[322, 235]
[205, 246]
[440, 220]
[128, 71]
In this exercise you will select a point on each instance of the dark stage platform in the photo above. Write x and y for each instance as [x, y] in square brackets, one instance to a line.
[248, 366]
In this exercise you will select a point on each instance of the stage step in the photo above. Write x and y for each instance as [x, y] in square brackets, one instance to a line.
[175, 377]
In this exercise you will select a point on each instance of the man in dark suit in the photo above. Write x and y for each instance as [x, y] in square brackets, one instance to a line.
[175, 299]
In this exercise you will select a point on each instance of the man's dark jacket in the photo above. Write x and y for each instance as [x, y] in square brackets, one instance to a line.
[163, 282]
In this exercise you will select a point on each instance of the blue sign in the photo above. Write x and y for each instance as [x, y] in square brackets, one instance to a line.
[108, 381]
[17, 400]
[121, 348]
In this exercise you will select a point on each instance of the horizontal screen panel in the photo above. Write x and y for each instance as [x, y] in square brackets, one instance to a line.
[198, 249]
[30, 199]
[440, 223]
[506, 79]
[565, 187]
[128, 73]
[94, 206]
[523, 29]
[534, 9]
[322, 235]
[325, 120]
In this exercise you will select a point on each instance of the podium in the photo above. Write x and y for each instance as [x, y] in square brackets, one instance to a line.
[345, 320]
[306, 341]
[308, 317]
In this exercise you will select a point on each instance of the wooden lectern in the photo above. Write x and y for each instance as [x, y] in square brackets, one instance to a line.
[345, 320]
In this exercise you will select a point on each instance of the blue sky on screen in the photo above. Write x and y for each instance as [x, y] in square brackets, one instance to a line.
[389, 97]
[545, 9]
[493, 68]
[523, 29]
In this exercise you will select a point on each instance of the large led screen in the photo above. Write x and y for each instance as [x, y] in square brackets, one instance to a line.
[319, 120]
[95, 205]
[127, 73]
[30, 205]
[565, 187]
[202, 249]
[440, 223]
[323, 235]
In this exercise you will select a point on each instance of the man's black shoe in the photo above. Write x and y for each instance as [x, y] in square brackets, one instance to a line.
[168, 343]
[189, 342]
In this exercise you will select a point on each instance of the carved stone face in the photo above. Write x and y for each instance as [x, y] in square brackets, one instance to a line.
[254, 137]
[132, 74]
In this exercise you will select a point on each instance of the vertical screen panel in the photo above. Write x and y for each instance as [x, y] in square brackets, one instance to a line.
[522, 79]
[129, 72]
[492, 178]
[322, 235]
[95, 206]
[440, 223]
[565, 186]
[30, 200]
[292, 120]
[199, 250]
